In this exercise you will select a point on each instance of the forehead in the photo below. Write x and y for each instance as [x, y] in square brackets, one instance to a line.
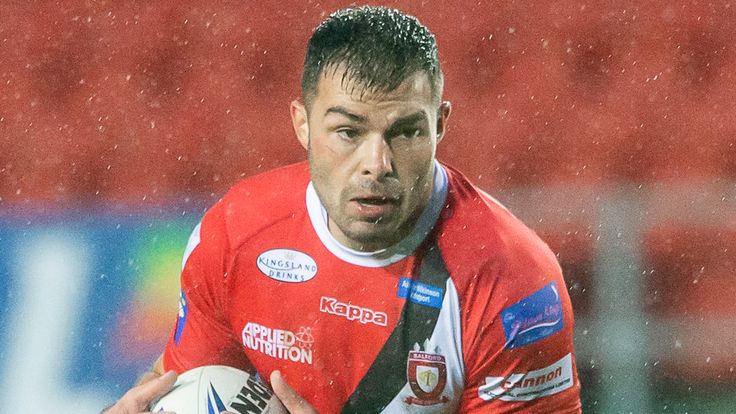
[415, 92]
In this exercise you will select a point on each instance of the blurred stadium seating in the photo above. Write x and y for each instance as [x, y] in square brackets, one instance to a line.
[143, 107]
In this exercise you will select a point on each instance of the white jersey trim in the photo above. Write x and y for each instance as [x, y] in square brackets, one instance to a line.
[390, 255]
[193, 242]
[446, 340]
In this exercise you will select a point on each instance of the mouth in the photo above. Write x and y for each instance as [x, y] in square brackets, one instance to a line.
[374, 206]
[375, 200]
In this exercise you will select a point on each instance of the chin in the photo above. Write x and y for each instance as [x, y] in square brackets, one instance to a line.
[368, 237]
[373, 239]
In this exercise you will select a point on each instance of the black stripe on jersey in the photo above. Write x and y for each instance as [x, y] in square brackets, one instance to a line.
[387, 375]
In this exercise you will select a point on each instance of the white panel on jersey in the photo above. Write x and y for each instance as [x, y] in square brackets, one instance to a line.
[191, 244]
[446, 342]
[390, 255]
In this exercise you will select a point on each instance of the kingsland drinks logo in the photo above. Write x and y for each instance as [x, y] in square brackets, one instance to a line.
[287, 265]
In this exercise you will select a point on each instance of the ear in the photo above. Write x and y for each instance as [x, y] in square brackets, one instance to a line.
[300, 122]
[443, 113]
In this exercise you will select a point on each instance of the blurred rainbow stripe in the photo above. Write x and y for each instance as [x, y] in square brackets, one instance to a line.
[150, 314]
[117, 278]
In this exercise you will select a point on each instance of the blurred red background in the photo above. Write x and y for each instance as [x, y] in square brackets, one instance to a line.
[119, 101]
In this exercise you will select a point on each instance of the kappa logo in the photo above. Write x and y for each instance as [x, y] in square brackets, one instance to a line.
[426, 373]
[352, 312]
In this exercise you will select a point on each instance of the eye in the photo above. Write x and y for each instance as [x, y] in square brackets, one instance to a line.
[412, 132]
[347, 134]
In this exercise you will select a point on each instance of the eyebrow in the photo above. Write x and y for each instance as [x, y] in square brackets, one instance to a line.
[343, 111]
[407, 120]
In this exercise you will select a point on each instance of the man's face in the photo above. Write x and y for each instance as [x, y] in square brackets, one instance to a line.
[371, 157]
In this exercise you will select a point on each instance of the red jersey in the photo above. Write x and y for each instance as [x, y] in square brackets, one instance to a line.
[469, 313]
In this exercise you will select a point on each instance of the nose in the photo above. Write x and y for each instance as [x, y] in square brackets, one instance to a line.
[376, 160]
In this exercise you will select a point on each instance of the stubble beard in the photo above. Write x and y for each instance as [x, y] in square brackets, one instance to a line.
[381, 236]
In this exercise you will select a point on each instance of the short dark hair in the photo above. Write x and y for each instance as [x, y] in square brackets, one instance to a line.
[377, 47]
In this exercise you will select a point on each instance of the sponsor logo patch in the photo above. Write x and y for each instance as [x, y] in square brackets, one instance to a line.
[287, 265]
[420, 293]
[352, 312]
[529, 385]
[181, 317]
[533, 318]
[426, 373]
[279, 343]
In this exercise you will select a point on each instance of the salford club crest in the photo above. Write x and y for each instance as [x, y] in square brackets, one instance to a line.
[426, 373]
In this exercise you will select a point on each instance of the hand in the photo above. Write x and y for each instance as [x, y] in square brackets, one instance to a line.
[287, 398]
[138, 398]
[293, 402]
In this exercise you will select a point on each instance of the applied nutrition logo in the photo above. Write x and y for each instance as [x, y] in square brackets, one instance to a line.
[280, 343]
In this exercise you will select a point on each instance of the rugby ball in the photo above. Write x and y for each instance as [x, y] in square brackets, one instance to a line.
[217, 388]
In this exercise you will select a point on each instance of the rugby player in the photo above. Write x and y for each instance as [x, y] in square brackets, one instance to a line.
[373, 278]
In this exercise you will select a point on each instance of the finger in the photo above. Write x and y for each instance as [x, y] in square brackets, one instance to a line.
[148, 376]
[143, 394]
[119, 410]
[293, 402]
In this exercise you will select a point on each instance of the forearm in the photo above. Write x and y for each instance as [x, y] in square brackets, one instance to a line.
[149, 387]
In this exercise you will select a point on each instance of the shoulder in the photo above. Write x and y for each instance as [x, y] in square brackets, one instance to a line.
[484, 243]
[258, 202]
[272, 193]
[515, 313]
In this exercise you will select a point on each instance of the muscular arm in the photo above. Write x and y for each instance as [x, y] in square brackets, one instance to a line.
[525, 363]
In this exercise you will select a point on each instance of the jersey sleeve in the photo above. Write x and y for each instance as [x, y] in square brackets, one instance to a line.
[518, 345]
[202, 333]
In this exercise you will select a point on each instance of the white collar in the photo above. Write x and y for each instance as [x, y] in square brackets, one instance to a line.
[389, 255]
